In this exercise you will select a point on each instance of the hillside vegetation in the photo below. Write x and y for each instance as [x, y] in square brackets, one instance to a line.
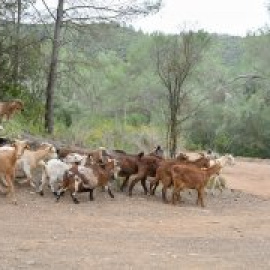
[109, 92]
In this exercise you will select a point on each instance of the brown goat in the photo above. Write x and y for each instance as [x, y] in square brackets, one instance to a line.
[8, 108]
[147, 167]
[129, 166]
[8, 158]
[164, 175]
[185, 176]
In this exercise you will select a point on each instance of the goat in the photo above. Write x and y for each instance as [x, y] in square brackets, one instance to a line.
[53, 171]
[190, 177]
[216, 182]
[8, 108]
[30, 160]
[147, 167]
[86, 179]
[164, 172]
[8, 158]
[227, 159]
[129, 165]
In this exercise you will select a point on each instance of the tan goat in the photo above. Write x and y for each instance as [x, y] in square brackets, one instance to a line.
[8, 108]
[8, 160]
[30, 160]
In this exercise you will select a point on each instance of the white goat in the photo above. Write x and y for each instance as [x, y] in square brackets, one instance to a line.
[216, 181]
[53, 171]
[227, 159]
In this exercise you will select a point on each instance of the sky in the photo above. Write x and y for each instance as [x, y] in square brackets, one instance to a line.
[233, 17]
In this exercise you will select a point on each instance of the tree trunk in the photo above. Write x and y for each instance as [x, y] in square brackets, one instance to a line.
[52, 77]
[172, 134]
[15, 76]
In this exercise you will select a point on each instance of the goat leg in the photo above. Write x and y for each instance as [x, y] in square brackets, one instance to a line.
[174, 197]
[124, 184]
[11, 191]
[91, 197]
[75, 200]
[4, 182]
[110, 192]
[134, 181]
[58, 194]
[164, 192]
[200, 197]
[143, 183]
[153, 187]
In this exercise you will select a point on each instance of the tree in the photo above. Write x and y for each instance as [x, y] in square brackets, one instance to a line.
[53, 69]
[15, 41]
[78, 14]
[177, 57]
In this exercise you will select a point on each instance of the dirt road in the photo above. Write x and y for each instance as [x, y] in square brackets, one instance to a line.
[232, 232]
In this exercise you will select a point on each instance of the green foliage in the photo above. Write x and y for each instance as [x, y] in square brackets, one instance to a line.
[108, 92]
[136, 120]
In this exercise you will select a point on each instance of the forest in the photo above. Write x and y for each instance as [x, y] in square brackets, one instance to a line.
[125, 89]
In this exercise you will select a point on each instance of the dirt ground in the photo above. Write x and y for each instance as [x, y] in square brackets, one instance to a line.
[232, 232]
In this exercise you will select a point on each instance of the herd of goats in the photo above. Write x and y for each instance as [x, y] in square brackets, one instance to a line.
[80, 170]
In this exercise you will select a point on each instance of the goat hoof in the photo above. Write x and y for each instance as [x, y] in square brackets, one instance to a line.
[76, 202]
[41, 193]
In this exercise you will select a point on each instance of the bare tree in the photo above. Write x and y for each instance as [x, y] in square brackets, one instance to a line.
[177, 56]
[82, 13]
